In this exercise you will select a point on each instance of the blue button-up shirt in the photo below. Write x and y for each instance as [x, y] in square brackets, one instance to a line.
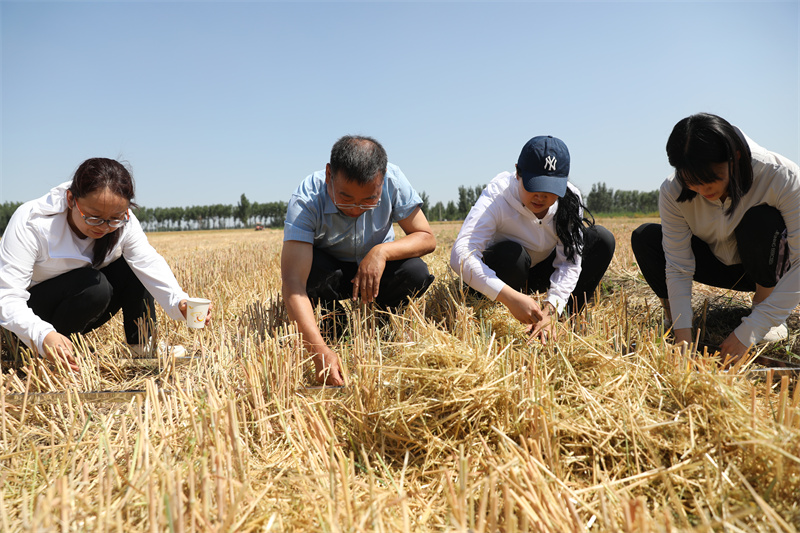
[312, 216]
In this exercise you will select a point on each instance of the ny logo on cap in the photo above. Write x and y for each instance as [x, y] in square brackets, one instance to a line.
[550, 163]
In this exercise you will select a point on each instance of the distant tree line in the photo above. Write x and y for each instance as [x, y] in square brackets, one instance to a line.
[467, 196]
[246, 214]
[604, 200]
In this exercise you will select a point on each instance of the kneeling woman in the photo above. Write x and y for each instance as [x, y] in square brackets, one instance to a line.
[73, 258]
[730, 218]
[526, 234]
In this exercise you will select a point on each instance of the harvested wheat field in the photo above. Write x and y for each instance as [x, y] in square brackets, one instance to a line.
[449, 422]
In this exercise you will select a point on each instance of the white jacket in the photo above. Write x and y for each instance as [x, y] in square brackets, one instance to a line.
[499, 215]
[38, 245]
[776, 182]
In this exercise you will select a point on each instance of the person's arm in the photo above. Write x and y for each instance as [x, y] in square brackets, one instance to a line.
[466, 259]
[680, 264]
[477, 231]
[152, 270]
[296, 258]
[418, 241]
[783, 299]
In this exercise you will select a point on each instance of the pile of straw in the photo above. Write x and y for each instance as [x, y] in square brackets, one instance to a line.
[450, 420]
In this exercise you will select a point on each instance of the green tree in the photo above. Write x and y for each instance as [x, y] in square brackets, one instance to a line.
[425, 202]
[243, 210]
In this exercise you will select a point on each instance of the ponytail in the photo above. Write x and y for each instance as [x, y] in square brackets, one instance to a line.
[570, 222]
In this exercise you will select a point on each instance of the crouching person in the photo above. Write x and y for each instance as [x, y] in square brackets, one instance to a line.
[526, 234]
[730, 218]
[339, 243]
[70, 260]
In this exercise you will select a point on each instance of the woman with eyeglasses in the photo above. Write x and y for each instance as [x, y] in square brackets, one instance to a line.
[730, 218]
[70, 260]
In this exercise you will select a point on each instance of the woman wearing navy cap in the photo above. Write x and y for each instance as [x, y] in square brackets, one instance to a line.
[730, 218]
[526, 233]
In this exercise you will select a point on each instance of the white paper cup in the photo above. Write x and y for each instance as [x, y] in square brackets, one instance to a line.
[196, 312]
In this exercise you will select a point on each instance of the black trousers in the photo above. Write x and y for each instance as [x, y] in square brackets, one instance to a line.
[84, 299]
[512, 264]
[330, 280]
[760, 237]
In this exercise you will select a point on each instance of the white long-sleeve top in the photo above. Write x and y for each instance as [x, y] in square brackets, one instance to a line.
[776, 182]
[38, 245]
[499, 215]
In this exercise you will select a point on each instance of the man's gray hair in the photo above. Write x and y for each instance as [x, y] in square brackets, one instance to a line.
[359, 159]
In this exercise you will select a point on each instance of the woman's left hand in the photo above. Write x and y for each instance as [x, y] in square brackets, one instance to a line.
[545, 328]
[731, 346]
[183, 306]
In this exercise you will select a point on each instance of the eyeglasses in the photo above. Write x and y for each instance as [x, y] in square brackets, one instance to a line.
[97, 221]
[363, 207]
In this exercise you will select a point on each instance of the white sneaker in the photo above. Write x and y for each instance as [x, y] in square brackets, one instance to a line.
[145, 351]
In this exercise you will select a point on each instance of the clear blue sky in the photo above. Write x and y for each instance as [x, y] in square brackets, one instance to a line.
[209, 100]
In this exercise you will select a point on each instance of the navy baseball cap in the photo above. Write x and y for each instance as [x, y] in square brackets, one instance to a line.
[543, 165]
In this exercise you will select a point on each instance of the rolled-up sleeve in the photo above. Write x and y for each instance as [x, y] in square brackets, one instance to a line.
[404, 198]
[301, 220]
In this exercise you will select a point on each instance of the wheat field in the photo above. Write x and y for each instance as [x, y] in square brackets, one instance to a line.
[449, 421]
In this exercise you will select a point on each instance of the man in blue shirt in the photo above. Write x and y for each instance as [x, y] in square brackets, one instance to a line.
[338, 242]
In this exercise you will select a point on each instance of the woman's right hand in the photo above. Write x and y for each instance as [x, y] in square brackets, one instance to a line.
[58, 349]
[523, 307]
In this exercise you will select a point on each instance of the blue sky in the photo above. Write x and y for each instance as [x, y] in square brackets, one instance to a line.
[209, 100]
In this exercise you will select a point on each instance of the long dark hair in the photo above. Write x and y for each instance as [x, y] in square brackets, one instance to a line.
[569, 223]
[96, 174]
[701, 140]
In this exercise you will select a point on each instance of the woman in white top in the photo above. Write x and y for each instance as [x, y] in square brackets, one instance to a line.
[74, 257]
[526, 234]
[730, 218]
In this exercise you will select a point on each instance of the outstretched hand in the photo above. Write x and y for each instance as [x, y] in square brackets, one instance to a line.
[326, 365]
[544, 329]
[183, 307]
[58, 349]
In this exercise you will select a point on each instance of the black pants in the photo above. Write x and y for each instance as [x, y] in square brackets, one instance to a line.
[330, 280]
[760, 237]
[83, 299]
[512, 264]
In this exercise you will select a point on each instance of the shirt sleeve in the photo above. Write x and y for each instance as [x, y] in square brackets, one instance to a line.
[564, 278]
[152, 269]
[404, 198]
[19, 249]
[466, 257]
[786, 294]
[677, 244]
[302, 216]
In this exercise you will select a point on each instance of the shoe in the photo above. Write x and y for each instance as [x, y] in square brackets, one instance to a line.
[145, 351]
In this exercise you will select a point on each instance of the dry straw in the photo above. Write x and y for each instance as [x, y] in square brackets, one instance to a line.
[449, 422]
